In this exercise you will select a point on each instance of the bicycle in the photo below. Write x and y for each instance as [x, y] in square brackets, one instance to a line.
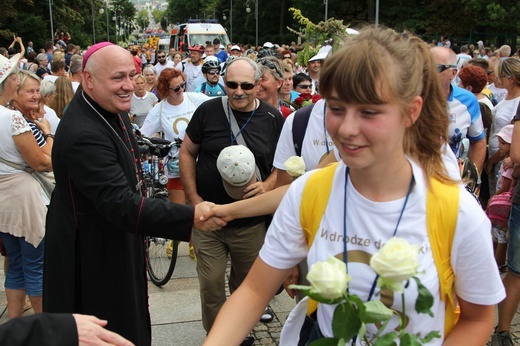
[160, 253]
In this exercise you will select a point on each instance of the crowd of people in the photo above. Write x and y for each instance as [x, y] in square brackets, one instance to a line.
[387, 115]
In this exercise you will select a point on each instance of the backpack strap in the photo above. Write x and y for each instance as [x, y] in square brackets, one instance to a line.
[315, 197]
[300, 122]
[442, 208]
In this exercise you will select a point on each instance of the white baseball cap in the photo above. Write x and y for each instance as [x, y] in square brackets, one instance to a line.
[235, 48]
[322, 53]
[268, 45]
[236, 165]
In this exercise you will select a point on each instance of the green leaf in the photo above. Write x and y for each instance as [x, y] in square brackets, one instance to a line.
[376, 311]
[386, 340]
[360, 305]
[307, 290]
[409, 340]
[345, 322]
[424, 301]
[362, 331]
[325, 342]
[430, 336]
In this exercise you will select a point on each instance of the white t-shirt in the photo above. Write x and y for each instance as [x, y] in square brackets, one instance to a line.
[369, 225]
[465, 119]
[498, 93]
[192, 72]
[140, 106]
[315, 141]
[51, 78]
[503, 113]
[486, 101]
[12, 123]
[159, 67]
[52, 118]
[172, 120]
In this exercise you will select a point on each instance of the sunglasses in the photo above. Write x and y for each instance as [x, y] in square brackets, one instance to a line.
[442, 68]
[244, 86]
[269, 64]
[161, 57]
[212, 72]
[304, 86]
[178, 87]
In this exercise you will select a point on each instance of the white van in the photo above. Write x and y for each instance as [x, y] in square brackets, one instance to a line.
[164, 44]
[197, 31]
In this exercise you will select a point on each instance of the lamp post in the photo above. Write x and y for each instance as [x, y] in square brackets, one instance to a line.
[93, 24]
[248, 10]
[52, 28]
[108, 27]
[230, 21]
[377, 14]
[326, 2]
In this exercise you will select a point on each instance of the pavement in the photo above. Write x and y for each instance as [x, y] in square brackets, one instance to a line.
[176, 316]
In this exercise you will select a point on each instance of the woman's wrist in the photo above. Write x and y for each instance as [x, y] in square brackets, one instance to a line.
[48, 135]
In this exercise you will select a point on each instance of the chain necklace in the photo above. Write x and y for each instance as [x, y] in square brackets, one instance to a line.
[128, 145]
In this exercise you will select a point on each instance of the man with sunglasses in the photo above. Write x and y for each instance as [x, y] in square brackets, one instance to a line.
[162, 62]
[314, 67]
[211, 70]
[302, 83]
[463, 110]
[208, 132]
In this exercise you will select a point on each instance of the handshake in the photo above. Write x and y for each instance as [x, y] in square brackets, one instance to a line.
[210, 216]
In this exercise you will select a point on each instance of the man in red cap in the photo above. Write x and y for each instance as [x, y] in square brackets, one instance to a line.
[98, 216]
[192, 68]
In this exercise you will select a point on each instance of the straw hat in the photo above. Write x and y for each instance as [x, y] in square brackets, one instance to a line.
[7, 66]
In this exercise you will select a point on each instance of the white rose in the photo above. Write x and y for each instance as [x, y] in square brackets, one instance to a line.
[395, 262]
[329, 279]
[295, 166]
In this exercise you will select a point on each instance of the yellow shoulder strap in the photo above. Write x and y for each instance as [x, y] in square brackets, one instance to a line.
[442, 207]
[315, 196]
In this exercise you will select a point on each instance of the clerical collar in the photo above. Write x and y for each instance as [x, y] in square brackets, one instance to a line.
[100, 109]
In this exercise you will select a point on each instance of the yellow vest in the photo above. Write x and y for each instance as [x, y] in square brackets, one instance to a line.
[442, 206]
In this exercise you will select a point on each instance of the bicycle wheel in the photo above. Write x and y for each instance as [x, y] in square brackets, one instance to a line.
[161, 259]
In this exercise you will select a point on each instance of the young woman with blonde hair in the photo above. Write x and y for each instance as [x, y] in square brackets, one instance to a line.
[387, 117]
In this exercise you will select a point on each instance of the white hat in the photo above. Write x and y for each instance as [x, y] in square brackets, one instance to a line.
[322, 53]
[268, 45]
[221, 46]
[236, 165]
[351, 31]
[235, 48]
[210, 57]
[506, 133]
[7, 66]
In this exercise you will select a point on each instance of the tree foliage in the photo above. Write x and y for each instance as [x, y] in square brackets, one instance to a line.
[493, 21]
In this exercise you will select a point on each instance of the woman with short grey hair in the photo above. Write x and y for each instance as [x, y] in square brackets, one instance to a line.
[42, 61]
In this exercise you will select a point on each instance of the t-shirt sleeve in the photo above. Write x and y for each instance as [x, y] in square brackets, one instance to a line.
[476, 129]
[477, 279]
[285, 244]
[199, 98]
[194, 129]
[18, 124]
[152, 123]
[508, 173]
[285, 147]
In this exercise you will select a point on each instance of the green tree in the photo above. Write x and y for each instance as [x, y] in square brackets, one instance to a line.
[142, 19]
